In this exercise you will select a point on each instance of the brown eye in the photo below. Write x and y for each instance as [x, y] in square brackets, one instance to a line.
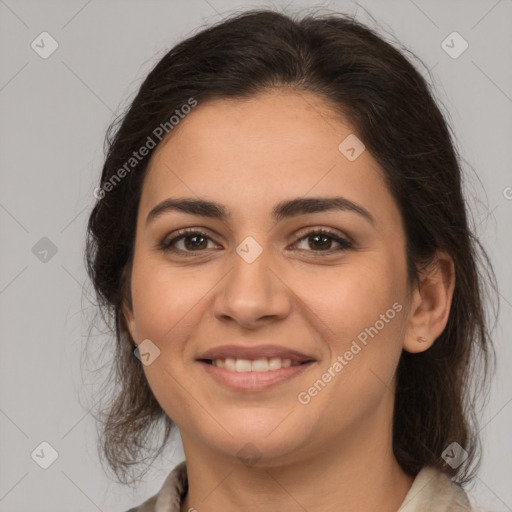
[194, 242]
[322, 241]
[186, 241]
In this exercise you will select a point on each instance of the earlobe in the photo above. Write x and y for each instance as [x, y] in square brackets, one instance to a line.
[431, 304]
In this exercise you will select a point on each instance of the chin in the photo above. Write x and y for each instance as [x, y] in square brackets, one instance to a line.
[260, 442]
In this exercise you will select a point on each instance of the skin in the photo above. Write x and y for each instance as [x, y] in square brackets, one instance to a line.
[334, 453]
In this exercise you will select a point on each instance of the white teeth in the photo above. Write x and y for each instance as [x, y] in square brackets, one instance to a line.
[258, 365]
[274, 363]
[229, 364]
[243, 365]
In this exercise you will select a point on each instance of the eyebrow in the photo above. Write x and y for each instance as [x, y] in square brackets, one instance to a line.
[283, 210]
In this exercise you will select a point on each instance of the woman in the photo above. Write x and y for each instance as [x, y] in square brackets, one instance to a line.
[282, 241]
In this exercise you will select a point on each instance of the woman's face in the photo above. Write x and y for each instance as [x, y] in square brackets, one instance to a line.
[264, 279]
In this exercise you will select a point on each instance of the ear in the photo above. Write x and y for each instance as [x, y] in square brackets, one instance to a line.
[127, 304]
[129, 318]
[430, 304]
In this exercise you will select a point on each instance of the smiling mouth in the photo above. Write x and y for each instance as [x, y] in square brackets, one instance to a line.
[261, 365]
[245, 375]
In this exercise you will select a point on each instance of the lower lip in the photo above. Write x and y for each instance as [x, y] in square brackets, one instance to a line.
[253, 381]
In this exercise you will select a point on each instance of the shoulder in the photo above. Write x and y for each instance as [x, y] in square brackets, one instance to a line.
[170, 495]
[432, 487]
[147, 506]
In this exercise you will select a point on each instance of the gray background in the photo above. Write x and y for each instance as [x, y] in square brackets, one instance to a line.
[54, 113]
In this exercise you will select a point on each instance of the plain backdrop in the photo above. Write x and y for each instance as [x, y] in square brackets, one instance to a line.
[54, 114]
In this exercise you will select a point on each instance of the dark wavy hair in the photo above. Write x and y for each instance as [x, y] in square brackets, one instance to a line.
[389, 105]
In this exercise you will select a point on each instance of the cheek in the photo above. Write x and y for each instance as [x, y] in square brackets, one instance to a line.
[365, 319]
[166, 304]
[350, 298]
[360, 311]
[165, 299]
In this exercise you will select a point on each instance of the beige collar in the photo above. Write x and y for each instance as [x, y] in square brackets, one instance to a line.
[431, 490]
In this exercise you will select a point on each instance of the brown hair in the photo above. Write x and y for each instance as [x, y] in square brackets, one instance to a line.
[389, 105]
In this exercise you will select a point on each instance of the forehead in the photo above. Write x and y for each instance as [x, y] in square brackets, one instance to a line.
[250, 154]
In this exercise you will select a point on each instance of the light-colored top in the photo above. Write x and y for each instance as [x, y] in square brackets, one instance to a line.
[431, 491]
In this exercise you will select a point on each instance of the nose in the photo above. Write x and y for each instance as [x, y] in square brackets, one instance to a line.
[252, 294]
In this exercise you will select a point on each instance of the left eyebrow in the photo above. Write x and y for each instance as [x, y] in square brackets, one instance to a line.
[284, 209]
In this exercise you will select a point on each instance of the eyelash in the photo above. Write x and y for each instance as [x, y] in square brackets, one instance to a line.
[167, 245]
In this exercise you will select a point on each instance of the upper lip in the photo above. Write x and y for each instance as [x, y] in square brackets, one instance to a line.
[254, 352]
